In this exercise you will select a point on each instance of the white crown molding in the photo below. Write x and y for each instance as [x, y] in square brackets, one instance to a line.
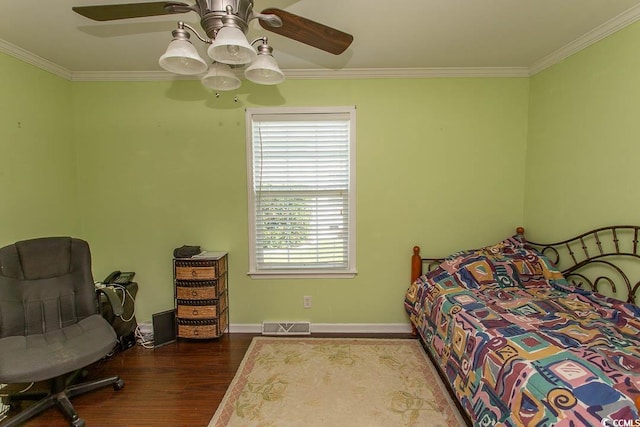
[35, 60]
[407, 73]
[341, 328]
[613, 25]
[359, 73]
[126, 76]
[354, 73]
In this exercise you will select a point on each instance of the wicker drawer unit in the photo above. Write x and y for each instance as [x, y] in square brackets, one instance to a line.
[201, 296]
[202, 329]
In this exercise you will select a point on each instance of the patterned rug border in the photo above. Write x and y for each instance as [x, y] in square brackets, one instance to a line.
[225, 410]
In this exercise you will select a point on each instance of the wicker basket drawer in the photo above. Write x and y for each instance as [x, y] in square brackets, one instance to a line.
[209, 289]
[197, 311]
[196, 292]
[193, 272]
[201, 309]
[202, 328]
[198, 331]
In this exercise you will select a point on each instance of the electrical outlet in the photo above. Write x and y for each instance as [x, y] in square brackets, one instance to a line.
[306, 301]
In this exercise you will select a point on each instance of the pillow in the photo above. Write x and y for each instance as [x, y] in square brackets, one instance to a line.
[507, 246]
[508, 263]
[486, 267]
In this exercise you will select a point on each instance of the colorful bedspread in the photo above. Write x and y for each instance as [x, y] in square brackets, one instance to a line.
[521, 347]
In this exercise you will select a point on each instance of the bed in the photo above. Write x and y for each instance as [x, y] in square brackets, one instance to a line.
[524, 335]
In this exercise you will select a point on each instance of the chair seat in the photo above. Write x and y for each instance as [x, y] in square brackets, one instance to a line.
[33, 358]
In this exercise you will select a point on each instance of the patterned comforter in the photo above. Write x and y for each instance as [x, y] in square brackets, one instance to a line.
[522, 347]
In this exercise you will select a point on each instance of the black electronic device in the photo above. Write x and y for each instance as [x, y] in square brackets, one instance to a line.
[164, 328]
[119, 277]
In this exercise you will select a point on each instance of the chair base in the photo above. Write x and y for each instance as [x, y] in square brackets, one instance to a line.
[59, 395]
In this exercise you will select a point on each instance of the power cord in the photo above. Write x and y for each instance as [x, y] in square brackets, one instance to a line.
[4, 409]
[142, 338]
[145, 339]
[125, 294]
[27, 388]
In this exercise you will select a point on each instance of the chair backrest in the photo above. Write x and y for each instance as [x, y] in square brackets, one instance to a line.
[45, 284]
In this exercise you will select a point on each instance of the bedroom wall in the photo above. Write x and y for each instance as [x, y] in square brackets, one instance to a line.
[37, 154]
[161, 164]
[440, 163]
[583, 140]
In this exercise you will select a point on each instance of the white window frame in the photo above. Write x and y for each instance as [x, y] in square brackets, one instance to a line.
[346, 272]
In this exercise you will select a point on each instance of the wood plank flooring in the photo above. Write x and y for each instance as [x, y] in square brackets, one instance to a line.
[177, 385]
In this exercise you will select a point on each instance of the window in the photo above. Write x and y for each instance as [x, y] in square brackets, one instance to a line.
[301, 191]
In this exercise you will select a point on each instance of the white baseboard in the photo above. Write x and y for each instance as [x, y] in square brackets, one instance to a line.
[342, 328]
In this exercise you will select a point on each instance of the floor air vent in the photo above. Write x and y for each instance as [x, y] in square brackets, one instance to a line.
[286, 328]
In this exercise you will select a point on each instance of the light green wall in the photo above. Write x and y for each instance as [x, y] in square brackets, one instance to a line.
[583, 148]
[440, 163]
[37, 155]
[140, 168]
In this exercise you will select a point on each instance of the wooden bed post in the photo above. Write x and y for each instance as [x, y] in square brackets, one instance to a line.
[416, 264]
[416, 271]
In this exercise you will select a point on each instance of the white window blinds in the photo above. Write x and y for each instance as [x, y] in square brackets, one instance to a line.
[301, 192]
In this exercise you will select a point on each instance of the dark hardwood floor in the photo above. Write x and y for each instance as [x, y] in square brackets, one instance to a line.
[178, 385]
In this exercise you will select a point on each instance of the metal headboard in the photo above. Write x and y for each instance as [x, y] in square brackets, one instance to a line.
[604, 260]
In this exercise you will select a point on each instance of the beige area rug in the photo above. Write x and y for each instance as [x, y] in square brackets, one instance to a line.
[336, 382]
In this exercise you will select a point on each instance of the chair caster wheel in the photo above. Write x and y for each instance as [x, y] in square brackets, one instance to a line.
[118, 385]
[78, 422]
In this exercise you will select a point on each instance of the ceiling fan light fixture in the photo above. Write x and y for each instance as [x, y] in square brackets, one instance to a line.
[182, 57]
[220, 77]
[264, 70]
[231, 47]
[225, 24]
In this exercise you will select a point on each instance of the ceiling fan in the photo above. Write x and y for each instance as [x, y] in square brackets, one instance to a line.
[212, 11]
[225, 23]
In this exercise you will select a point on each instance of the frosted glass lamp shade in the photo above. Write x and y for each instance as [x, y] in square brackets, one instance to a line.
[265, 71]
[231, 47]
[182, 57]
[220, 77]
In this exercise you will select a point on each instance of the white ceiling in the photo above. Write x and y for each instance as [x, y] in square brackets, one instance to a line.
[400, 34]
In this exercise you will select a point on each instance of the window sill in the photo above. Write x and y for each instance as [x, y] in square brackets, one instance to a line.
[301, 275]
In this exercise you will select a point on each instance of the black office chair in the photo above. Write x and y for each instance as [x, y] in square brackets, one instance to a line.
[50, 328]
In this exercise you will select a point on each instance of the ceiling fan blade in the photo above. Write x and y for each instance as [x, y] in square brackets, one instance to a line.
[111, 12]
[309, 32]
